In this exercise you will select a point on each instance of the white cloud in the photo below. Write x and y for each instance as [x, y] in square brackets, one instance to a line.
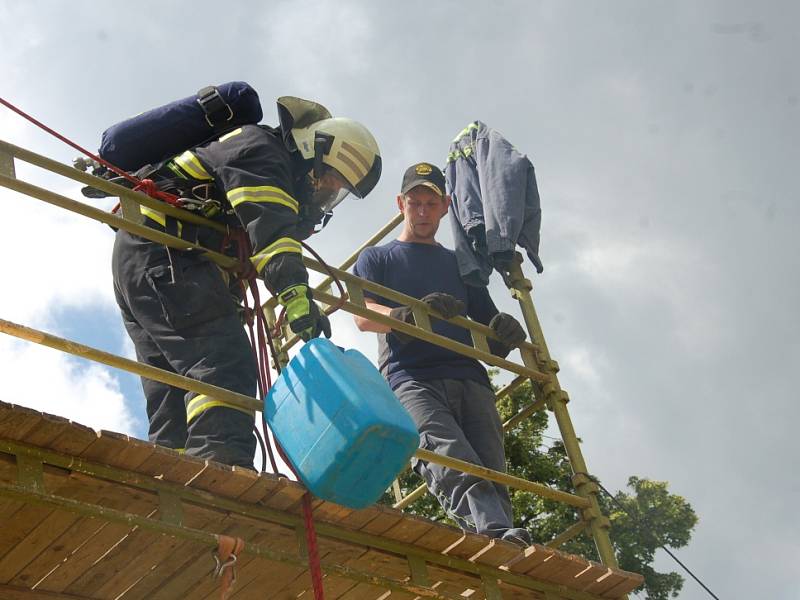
[53, 382]
[55, 261]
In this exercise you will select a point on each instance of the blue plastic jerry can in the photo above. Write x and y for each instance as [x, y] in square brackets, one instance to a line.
[339, 424]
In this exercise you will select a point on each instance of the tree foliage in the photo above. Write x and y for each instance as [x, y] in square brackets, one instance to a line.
[652, 517]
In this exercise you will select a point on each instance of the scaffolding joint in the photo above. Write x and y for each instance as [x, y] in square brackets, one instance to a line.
[584, 484]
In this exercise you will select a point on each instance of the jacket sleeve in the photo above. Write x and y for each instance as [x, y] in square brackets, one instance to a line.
[254, 171]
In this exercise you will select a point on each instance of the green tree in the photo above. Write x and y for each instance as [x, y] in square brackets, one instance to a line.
[652, 516]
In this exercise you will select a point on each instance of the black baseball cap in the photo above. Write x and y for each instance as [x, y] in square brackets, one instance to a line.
[425, 174]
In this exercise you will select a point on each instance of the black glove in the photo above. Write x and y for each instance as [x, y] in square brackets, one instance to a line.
[403, 313]
[446, 305]
[304, 316]
[509, 332]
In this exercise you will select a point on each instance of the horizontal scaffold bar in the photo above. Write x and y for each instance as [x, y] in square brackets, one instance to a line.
[108, 187]
[248, 403]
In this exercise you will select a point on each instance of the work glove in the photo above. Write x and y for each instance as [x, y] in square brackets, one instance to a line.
[509, 332]
[403, 313]
[304, 316]
[446, 305]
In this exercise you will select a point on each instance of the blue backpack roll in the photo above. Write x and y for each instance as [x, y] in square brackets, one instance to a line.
[163, 132]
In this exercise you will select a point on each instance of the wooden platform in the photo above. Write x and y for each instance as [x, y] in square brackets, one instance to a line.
[98, 515]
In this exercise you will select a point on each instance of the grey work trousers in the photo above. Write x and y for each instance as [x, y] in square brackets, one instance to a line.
[459, 418]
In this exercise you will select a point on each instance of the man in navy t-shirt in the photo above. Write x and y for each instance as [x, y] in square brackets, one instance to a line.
[447, 394]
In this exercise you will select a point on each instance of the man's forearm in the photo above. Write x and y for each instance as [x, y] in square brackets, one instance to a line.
[365, 324]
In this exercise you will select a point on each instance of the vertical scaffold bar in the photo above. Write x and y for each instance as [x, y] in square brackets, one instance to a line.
[7, 163]
[556, 400]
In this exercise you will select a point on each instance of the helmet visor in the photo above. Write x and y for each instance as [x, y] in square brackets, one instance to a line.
[330, 189]
[325, 199]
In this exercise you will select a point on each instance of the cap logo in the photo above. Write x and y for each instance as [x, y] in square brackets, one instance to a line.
[424, 169]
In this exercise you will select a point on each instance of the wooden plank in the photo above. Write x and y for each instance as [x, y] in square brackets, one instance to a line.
[384, 520]
[180, 584]
[135, 567]
[629, 583]
[34, 543]
[590, 573]
[496, 553]
[83, 557]
[181, 556]
[287, 496]
[559, 568]
[331, 512]
[18, 525]
[513, 592]
[74, 440]
[57, 552]
[259, 581]
[467, 545]
[409, 529]
[605, 583]
[358, 519]
[10, 592]
[17, 421]
[184, 469]
[47, 430]
[456, 587]
[386, 565]
[530, 558]
[160, 462]
[439, 538]
[363, 591]
[263, 487]
[118, 450]
[106, 538]
[454, 582]
[117, 559]
[336, 587]
[224, 481]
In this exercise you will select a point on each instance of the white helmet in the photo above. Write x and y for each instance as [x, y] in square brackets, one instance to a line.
[345, 145]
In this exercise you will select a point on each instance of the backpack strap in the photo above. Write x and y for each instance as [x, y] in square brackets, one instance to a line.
[216, 110]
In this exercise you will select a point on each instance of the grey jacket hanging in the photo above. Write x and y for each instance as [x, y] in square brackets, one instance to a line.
[495, 203]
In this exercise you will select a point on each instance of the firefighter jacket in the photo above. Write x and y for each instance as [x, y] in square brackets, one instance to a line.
[495, 203]
[255, 182]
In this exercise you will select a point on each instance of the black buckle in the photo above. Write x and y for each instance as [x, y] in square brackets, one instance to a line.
[213, 104]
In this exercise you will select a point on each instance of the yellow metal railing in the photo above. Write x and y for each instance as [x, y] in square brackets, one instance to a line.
[537, 366]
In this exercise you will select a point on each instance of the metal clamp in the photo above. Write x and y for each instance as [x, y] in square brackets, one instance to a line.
[220, 566]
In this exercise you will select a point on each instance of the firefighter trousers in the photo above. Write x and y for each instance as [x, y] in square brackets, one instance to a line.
[181, 318]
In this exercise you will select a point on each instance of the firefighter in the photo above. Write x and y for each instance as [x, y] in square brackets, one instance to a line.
[278, 183]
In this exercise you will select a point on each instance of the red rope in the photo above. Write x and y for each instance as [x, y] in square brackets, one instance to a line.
[313, 548]
[261, 341]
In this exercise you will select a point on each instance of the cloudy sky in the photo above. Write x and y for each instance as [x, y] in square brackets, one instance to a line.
[663, 135]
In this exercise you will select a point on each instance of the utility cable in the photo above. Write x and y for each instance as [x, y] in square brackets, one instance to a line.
[662, 546]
